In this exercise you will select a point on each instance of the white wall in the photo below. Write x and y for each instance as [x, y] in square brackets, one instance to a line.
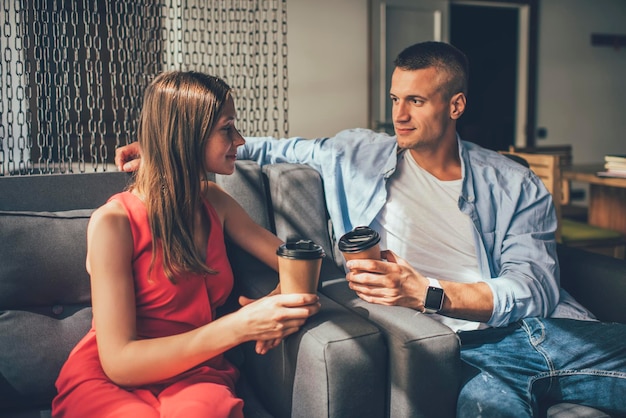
[327, 58]
[581, 89]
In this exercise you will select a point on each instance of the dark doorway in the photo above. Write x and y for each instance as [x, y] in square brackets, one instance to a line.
[488, 36]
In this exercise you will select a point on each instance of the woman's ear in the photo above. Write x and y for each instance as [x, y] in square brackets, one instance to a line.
[457, 105]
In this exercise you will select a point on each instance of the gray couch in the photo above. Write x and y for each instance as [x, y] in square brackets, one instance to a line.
[424, 364]
[45, 296]
[353, 359]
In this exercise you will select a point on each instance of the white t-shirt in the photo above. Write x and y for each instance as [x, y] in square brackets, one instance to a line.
[422, 223]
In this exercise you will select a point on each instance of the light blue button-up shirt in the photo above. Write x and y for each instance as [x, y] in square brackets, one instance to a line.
[512, 212]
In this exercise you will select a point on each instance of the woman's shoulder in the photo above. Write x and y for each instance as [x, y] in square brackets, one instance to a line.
[217, 198]
[213, 192]
[112, 214]
[117, 204]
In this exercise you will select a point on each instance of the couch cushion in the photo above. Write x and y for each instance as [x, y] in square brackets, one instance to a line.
[44, 298]
[34, 347]
[42, 258]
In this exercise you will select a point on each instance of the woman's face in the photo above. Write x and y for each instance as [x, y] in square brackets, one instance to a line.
[220, 152]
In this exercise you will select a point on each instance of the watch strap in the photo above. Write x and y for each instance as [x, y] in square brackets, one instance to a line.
[434, 282]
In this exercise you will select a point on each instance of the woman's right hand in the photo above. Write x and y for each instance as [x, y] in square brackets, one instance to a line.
[272, 318]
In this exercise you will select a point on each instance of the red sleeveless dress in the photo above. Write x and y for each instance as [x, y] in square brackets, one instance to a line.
[163, 309]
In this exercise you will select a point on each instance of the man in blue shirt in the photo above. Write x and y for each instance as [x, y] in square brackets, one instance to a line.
[470, 238]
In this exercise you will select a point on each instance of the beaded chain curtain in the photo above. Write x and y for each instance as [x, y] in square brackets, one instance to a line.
[72, 72]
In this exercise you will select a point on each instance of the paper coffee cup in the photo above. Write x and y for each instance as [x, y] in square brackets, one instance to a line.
[299, 265]
[362, 243]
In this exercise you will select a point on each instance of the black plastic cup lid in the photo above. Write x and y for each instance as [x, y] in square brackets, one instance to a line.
[359, 239]
[301, 250]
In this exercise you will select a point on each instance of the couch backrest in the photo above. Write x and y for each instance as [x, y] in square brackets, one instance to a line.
[44, 287]
[299, 211]
[595, 280]
[43, 220]
[248, 186]
[59, 192]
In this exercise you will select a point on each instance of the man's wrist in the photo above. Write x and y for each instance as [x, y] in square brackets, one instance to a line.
[433, 301]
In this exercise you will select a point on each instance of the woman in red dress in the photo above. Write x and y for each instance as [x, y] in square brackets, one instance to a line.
[158, 268]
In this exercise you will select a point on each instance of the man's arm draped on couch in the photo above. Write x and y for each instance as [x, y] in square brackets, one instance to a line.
[524, 278]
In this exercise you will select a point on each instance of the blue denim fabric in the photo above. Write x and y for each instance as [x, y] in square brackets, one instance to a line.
[513, 371]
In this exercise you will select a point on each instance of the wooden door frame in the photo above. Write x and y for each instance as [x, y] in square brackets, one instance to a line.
[376, 48]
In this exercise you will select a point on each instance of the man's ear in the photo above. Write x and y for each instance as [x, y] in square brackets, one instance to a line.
[457, 105]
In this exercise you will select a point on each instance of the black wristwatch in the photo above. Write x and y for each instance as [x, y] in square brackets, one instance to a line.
[434, 296]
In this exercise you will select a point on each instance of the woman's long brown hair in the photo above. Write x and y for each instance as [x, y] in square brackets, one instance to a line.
[179, 111]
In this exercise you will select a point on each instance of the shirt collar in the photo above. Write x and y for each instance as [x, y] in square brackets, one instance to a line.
[467, 189]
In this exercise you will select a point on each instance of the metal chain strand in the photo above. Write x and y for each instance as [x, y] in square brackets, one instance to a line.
[6, 93]
[72, 73]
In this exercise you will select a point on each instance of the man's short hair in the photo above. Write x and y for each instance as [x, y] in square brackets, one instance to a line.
[440, 55]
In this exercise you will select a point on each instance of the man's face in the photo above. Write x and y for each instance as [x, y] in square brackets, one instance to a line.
[422, 116]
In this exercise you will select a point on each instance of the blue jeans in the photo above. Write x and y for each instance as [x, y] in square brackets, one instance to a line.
[513, 371]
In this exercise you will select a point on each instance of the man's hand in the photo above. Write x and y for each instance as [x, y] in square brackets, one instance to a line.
[128, 157]
[391, 282]
[395, 282]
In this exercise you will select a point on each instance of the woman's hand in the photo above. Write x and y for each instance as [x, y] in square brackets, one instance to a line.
[276, 316]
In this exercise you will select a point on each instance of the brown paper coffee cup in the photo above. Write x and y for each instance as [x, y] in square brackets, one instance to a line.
[299, 265]
[360, 243]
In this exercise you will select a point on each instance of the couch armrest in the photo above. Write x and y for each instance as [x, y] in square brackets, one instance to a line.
[598, 282]
[335, 366]
[424, 355]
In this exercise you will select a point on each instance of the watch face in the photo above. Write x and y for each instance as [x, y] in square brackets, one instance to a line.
[434, 298]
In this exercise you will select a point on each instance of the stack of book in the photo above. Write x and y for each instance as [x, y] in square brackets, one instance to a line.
[614, 166]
